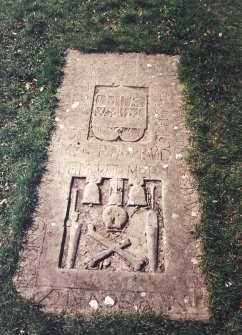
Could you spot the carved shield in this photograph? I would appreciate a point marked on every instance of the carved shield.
(119, 113)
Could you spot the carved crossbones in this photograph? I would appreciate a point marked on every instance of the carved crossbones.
(113, 247)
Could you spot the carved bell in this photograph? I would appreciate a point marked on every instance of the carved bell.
(114, 199)
(91, 194)
(137, 196)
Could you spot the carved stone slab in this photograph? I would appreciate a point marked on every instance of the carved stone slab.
(113, 227)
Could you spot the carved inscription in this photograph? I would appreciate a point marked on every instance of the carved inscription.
(119, 113)
(114, 225)
(116, 151)
(26, 274)
(111, 170)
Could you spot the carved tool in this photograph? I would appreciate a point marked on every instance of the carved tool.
(75, 233)
(137, 195)
(116, 192)
(136, 264)
(152, 196)
(114, 216)
(91, 194)
(151, 230)
(104, 254)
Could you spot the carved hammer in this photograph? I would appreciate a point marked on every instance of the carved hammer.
(136, 264)
(104, 254)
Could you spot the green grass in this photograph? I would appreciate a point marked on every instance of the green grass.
(207, 35)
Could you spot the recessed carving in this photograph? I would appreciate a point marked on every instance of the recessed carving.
(105, 226)
(119, 113)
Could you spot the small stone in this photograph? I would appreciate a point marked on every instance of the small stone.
(149, 65)
(93, 304)
(28, 86)
(61, 126)
(194, 260)
(178, 156)
(75, 104)
(228, 284)
(108, 301)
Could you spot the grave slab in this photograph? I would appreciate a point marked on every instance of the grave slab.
(113, 229)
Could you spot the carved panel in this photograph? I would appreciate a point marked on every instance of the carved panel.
(119, 113)
(113, 225)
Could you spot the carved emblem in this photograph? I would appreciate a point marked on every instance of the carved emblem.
(119, 113)
(113, 224)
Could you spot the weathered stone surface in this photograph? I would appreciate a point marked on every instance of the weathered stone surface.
(112, 230)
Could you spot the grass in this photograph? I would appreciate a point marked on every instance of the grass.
(34, 37)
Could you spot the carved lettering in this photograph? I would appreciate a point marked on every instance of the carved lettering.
(76, 300)
(119, 152)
